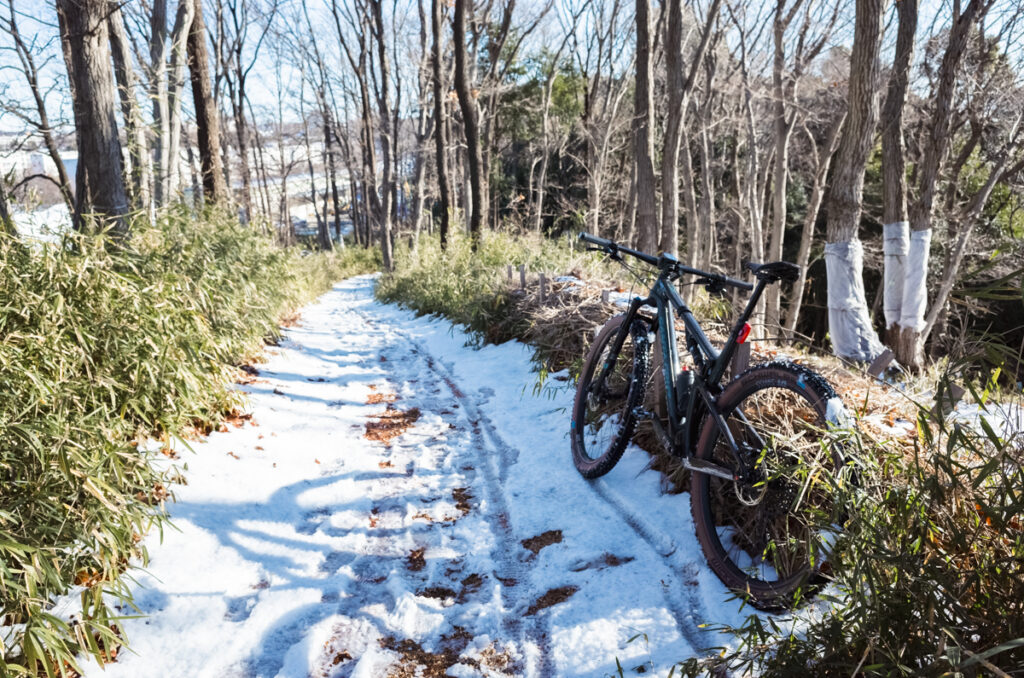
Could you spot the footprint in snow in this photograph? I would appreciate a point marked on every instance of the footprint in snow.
(239, 608)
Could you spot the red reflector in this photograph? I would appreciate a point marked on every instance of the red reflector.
(744, 333)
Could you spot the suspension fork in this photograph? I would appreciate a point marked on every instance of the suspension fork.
(620, 339)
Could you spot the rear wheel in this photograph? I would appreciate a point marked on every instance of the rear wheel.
(767, 536)
(603, 415)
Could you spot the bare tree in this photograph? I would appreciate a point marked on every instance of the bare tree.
(440, 119)
(785, 115)
(911, 325)
(643, 131)
(606, 60)
(470, 123)
(215, 189)
(894, 170)
(822, 160)
(38, 119)
(100, 192)
(237, 54)
(131, 113)
(853, 337)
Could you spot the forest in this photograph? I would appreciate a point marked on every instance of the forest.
(882, 157)
(178, 176)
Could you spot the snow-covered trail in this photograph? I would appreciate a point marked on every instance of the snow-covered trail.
(467, 546)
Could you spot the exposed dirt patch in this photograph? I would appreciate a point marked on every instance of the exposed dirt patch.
(612, 560)
(470, 585)
(415, 560)
(438, 593)
(462, 496)
(605, 561)
(377, 397)
(391, 424)
(535, 544)
(499, 660)
(418, 662)
(552, 597)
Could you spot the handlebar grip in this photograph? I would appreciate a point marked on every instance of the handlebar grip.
(594, 240)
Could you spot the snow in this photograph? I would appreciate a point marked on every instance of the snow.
(46, 224)
(292, 551)
(1005, 419)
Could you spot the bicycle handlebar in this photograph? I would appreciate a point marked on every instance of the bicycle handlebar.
(613, 248)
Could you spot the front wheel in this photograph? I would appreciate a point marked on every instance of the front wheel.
(604, 413)
(767, 535)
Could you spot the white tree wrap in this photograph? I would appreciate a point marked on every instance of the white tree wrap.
(849, 323)
(895, 245)
(915, 289)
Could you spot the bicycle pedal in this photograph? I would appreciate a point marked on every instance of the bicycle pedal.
(701, 466)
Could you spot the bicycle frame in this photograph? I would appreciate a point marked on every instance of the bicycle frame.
(710, 364)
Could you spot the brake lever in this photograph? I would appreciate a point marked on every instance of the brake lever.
(714, 286)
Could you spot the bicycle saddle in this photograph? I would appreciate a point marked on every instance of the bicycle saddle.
(775, 271)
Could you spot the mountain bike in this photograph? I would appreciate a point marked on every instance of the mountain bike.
(761, 448)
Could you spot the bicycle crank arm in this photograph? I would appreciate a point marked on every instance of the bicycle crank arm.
(701, 466)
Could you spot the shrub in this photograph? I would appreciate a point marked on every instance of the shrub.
(98, 349)
(929, 572)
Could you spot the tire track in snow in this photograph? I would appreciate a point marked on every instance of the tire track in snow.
(531, 632)
(681, 597)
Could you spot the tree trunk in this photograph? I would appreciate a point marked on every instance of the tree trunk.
(242, 139)
(673, 128)
(332, 171)
(176, 76)
(158, 100)
(388, 136)
(101, 193)
(6, 225)
(850, 328)
(215, 189)
(471, 125)
(440, 122)
(894, 171)
(782, 130)
(643, 133)
(134, 127)
(197, 187)
(423, 122)
(909, 347)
